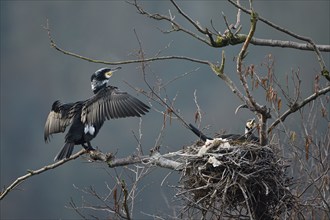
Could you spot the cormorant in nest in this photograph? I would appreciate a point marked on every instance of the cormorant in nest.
(247, 136)
(87, 117)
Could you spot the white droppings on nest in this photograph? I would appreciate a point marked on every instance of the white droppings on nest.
(212, 160)
(215, 143)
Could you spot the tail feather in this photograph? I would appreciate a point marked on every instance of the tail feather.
(65, 152)
(199, 133)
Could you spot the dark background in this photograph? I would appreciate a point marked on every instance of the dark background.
(33, 75)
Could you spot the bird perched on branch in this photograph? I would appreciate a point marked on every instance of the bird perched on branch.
(87, 117)
(247, 136)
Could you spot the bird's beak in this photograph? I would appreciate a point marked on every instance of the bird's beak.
(115, 69)
(253, 122)
(111, 71)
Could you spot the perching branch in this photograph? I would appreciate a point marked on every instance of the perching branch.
(30, 173)
(154, 159)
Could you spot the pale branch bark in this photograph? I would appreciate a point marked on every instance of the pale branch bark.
(30, 173)
(154, 159)
(296, 106)
(288, 44)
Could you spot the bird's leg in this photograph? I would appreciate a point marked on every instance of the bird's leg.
(88, 146)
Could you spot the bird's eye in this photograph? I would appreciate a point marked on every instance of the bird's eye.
(108, 74)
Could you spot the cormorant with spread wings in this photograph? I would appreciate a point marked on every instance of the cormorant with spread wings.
(87, 117)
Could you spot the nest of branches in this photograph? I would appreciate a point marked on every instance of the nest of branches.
(234, 180)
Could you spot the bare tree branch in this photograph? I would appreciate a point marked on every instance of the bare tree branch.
(175, 26)
(287, 44)
(196, 25)
(324, 70)
(251, 102)
(154, 159)
(30, 173)
(219, 71)
(158, 58)
(297, 106)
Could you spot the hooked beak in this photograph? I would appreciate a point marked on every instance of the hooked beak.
(115, 69)
(252, 123)
(111, 71)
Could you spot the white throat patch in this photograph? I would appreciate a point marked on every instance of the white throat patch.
(95, 84)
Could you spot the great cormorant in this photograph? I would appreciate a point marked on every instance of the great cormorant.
(247, 136)
(87, 117)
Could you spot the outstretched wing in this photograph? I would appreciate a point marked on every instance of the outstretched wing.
(59, 118)
(110, 103)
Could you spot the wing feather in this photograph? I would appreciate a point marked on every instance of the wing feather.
(59, 118)
(110, 103)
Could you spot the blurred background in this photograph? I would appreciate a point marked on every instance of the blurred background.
(34, 75)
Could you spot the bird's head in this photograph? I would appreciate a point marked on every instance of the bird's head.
(100, 78)
(250, 125)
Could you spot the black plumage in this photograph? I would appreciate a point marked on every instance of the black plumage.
(247, 136)
(87, 117)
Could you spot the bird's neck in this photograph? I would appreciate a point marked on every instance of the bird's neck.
(98, 85)
(247, 131)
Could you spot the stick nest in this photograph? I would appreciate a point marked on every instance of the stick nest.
(234, 180)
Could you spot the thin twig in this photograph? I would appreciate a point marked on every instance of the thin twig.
(175, 26)
(297, 106)
(174, 57)
(196, 25)
(152, 90)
